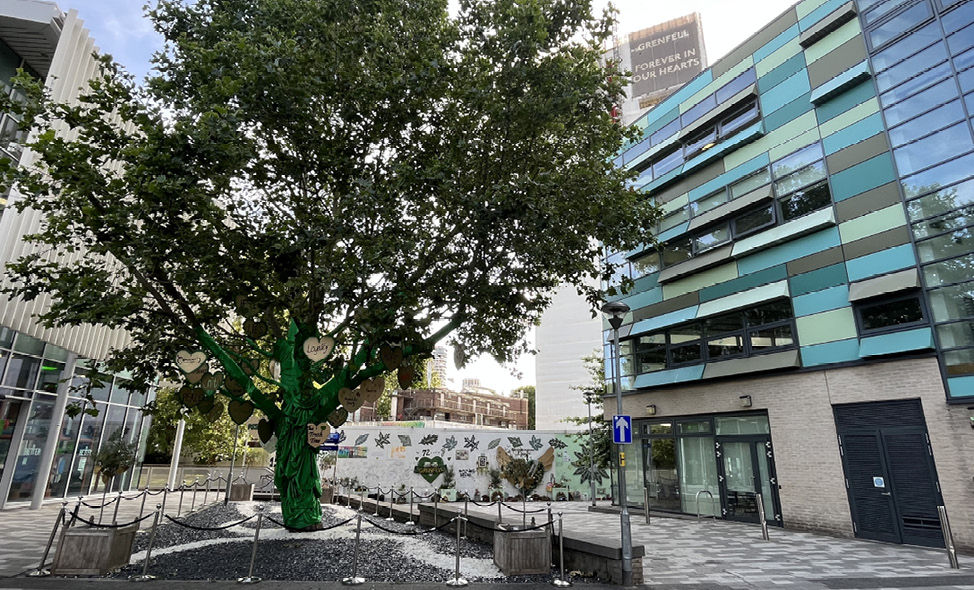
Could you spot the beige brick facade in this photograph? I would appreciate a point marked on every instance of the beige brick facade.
(809, 468)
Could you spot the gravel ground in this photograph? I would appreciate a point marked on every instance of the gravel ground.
(181, 553)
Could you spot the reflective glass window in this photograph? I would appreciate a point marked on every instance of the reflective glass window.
(646, 264)
(742, 425)
(934, 96)
(921, 62)
(695, 112)
(29, 345)
(936, 119)
(709, 202)
(686, 353)
(694, 427)
(955, 302)
(953, 221)
(805, 201)
(686, 333)
(729, 322)
(956, 335)
(959, 362)
(888, 314)
(933, 149)
(51, 375)
(754, 220)
(964, 60)
(28, 459)
(676, 251)
(749, 183)
(725, 346)
(906, 46)
(955, 270)
(660, 428)
(882, 10)
(6, 337)
(949, 245)
(668, 162)
(650, 353)
(966, 80)
(665, 132)
(714, 237)
(799, 159)
(739, 83)
(947, 173)
(22, 371)
(958, 18)
(768, 313)
(796, 180)
(961, 40)
(775, 337)
(899, 24)
(700, 141)
(674, 219)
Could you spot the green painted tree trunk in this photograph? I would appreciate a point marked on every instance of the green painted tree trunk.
(296, 475)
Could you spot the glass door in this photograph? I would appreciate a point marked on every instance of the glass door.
(748, 471)
(661, 476)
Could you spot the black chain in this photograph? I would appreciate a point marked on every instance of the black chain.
(218, 528)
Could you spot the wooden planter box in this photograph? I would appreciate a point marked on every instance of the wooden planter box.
(327, 494)
(523, 552)
(93, 552)
(242, 492)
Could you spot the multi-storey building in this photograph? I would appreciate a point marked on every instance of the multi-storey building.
(804, 330)
(45, 453)
(465, 407)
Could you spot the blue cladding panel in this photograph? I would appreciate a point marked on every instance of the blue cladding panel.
(776, 43)
(819, 13)
(667, 319)
(788, 113)
(821, 278)
(856, 95)
(854, 133)
(646, 298)
(824, 300)
(744, 283)
(660, 118)
(862, 177)
(690, 88)
(823, 240)
(730, 176)
(830, 352)
(919, 339)
(672, 376)
(781, 73)
(673, 232)
(961, 386)
(879, 263)
(783, 93)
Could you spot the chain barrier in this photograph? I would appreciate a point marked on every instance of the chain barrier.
(410, 533)
(110, 526)
(476, 503)
(218, 528)
(504, 530)
(523, 511)
(100, 506)
(328, 528)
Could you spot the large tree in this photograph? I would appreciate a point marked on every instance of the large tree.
(309, 192)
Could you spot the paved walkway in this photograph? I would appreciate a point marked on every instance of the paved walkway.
(680, 553)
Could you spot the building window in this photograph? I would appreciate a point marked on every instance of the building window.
(890, 314)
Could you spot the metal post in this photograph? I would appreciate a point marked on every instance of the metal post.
(646, 502)
(145, 576)
(764, 522)
(948, 537)
(101, 511)
(118, 502)
(616, 322)
(361, 499)
(551, 522)
(196, 487)
(233, 457)
(591, 449)
(457, 581)
(524, 511)
(354, 579)
(250, 579)
(436, 503)
(561, 582)
(378, 492)
(165, 495)
(392, 497)
(40, 571)
(182, 494)
(411, 494)
(466, 512)
(500, 513)
(77, 511)
(206, 494)
(348, 496)
(145, 494)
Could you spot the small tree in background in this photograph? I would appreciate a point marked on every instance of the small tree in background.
(528, 392)
(593, 466)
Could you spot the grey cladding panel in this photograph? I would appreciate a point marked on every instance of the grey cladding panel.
(759, 39)
(857, 153)
(837, 61)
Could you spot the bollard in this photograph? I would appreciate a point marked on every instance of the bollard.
(948, 537)
(378, 492)
(764, 522)
(646, 502)
(361, 499)
(101, 511)
(77, 511)
(354, 579)
(182, 494)
(348, 498)
(196, 486)
(392, 496)
(466, 513)
(145, 576)
(551, 521)
(40, 571)
(145, 494)
(561, 582)
(500, 513)
(118, 502)
(457, 581)
(250, 579)
(165, 494)
(524, 511)
(436, 503)
(206, 494)
(410, 521)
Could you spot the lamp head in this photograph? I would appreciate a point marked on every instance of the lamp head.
(616, 310)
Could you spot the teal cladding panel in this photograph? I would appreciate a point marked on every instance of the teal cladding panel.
(819, 13)
(730, 176)
(667, 377)
(854, 133)
(862, 177)
(882, 262)
(645, 298)
(726, 146)
(824, 300)
(776, 43)
(689, 89)
(744, 283)
(810, 244)
(646, 283)
(783, 93)
(845, 101)
(961, 386)
(673, 232)
(662, 119)
(821, 278)
(781, 73)
(788, 113)
(919, 339)
(667, 319)
(830, 352)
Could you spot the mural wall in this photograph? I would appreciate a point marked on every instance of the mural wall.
(536, 461)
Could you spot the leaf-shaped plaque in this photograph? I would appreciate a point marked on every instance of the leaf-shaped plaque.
(405, 440)
(361, 440)
(493, 444)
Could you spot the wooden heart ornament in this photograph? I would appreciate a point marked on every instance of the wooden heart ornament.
(205, 405)
(318, 349)
(338, 417)
(265, 430)
(372, 389)
(255, 328)
(234, 387)
(350, 399)
(192, 397)
(405, 376)
(190, 361)
(391, 357)
(197, 375)
(240, 411)
(318, 434)
(211, 381)
(215, 412)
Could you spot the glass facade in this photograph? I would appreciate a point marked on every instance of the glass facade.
(30, 372)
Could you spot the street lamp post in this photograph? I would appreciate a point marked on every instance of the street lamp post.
(591, 449)
(617, 310)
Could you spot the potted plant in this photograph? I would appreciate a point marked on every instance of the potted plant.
(448, 491)
(496, 493)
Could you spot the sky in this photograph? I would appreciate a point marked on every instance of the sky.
(120, 29)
